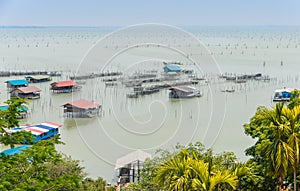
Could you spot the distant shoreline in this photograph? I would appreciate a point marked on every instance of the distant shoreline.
(183, 26)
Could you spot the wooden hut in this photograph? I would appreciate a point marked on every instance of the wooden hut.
(184, 92)
(38, 78)
(30, 92)
(129, 167)
(81, 108)
(13, 84)
(67, 86)
(284, 94)
(173, 68)
(41, 131)
(23, 110)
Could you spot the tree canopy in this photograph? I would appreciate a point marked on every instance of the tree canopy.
(39, 167)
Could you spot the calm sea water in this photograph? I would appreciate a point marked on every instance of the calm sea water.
(153, 121)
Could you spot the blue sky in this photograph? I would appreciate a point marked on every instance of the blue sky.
(126, 12)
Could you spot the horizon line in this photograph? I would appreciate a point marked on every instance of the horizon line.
(114, 26)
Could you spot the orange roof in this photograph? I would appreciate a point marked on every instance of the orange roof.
(29, 89)
(64, 83)
(83, 104)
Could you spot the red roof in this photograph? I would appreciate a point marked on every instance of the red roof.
(64, 83)
(29, 89)
(83, 104)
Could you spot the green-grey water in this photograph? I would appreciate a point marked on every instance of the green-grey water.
(153, 121)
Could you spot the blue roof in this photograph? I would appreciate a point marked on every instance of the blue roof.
(16, 150)
(17, 82)
(22, 109)
(173, 67)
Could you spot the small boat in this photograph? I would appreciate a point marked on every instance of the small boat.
(132, 95)
(239, 81)
(110, 80)
(228, 90)
(111, 84)
(133, 83)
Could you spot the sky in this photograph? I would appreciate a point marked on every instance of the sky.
(128, 12)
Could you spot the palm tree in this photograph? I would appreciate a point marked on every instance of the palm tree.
(247, 178)
(207, 180)
(293, 117)
(187, 172)
(274, 147)
(175, 173)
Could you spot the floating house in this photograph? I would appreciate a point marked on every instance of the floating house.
(13, 151)
(184, 92)
(41, 131)
(38, 78)
(173, 68)
(284, 94)
(29, 92)
(23, 110)
(129, 166)
(67, 86)
(81, 108)
(13, 84)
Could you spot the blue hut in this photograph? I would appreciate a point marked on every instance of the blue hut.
(42, 131)
(23, 110)
(284, 94)
(13, 151)
(13, 84)
(173, 68)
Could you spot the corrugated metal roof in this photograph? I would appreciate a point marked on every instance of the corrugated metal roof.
(50, 124)
(5, 106)
(137, 155)
(16, 150)
(64, 83)
(37, 129)
(174, 67)
(83, 104)
(17, 82)
(29, 89)
(285, 90)
(38, 77)
(183, 88)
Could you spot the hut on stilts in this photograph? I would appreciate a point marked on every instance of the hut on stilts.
(81, 109)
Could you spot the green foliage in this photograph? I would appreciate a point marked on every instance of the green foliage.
(295, 100)
(9, 117)
(39, 167)
(194, 168)
(276, 151)
(187, 172)
(94, 185)
(17, 138)
(8, 120)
